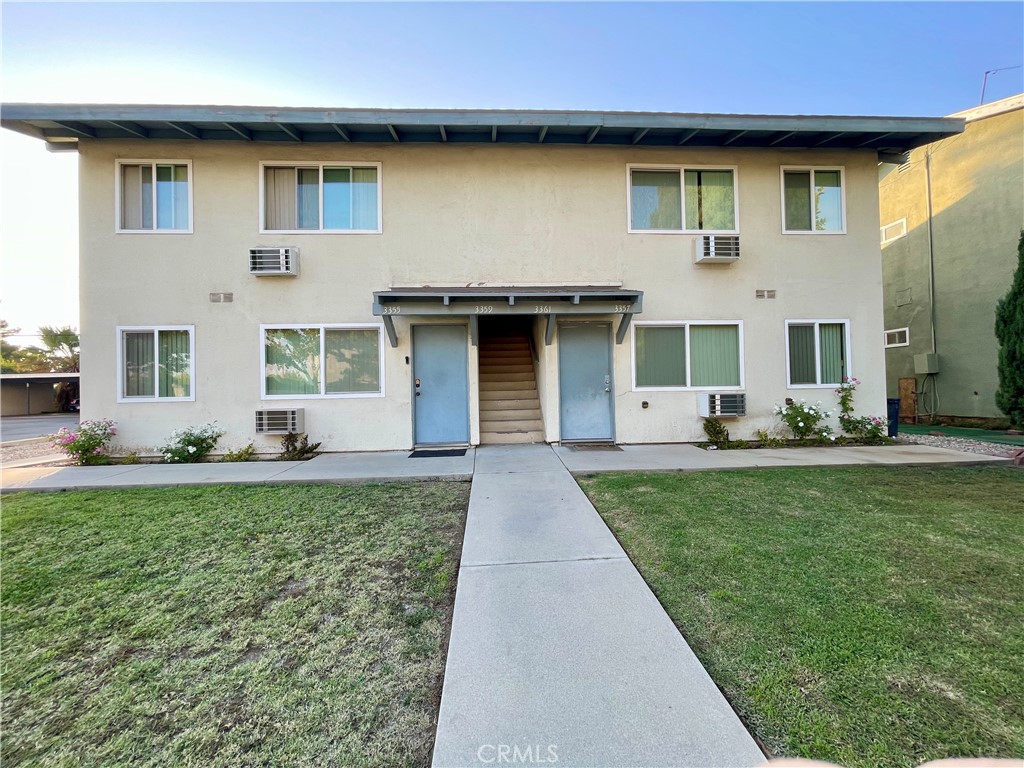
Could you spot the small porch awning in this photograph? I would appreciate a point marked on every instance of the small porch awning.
(474, 302)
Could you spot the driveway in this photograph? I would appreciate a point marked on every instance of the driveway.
(27, 427)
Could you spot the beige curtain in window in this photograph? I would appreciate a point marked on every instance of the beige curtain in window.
(279, 198)
(136, 197)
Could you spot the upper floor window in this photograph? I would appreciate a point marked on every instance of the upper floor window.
(155, 363)
(320, 198)
(893, 231)
(813, 200)
(897, 337)
(694, 199)
(154, 196)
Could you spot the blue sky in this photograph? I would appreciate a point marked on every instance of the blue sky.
(874, 58)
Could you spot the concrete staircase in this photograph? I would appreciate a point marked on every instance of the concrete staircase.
(509, 404)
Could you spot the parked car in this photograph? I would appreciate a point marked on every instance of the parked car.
(73, 405)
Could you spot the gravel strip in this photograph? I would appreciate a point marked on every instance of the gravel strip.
(28, 449)
(959, 444)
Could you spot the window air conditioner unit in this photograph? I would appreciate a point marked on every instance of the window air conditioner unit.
(266, 262)
(716, 249)
(280, 421)
(721, 405)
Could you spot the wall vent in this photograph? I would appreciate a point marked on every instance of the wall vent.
(274, 262)
(764, 293)
(722, 404)
(280, 421)
(716, 249)
(222, 298)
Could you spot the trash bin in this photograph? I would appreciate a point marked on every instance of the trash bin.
(893, 408)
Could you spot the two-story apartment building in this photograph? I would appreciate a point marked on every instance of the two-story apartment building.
(385, 279)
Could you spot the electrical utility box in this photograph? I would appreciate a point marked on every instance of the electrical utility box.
(926, 363)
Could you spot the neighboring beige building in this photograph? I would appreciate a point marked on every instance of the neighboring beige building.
(385, 279)
(951, 218)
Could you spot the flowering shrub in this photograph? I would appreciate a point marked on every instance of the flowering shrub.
(87, 444)
(191, 444)
(805, 420)
(867, 428)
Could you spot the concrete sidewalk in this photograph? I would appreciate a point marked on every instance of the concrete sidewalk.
(396, 465)
(558, 647)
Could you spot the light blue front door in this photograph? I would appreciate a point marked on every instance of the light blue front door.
(585, 381)
(440, 384)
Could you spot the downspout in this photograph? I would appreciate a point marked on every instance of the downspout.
(931, 244)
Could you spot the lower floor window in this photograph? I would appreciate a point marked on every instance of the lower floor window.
(156, 363)
(321, 360)
(687, 355)
(818, 351)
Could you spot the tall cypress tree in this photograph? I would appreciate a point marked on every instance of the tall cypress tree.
(1010, 333)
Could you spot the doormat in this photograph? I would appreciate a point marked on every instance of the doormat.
(595, 447)
(437, 454)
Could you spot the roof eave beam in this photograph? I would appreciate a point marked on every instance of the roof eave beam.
(134, 130)
(592, 133)
(393, 132)
(873, 139)
(733, 137)
(239, 130)
(341, 132)
(189, 130)
(494, 133)
(830, 137)
(782, 138)
(389, 328)
(444, 133)
(290, 131)
(688, 135)
(87, 133)
(640, 134)
(542, 134)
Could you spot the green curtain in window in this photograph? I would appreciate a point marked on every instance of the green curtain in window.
(364, 198)
(656, 200)
(797, 193)
(174, 369)
(337, 198)
(833, 353)
(279, 198)
(828, 201)
(660, 356)
(137, 348)
(293, 361)
(714, 356)
(308, 198)
(353, 360)
(801, 355)
(710, 203)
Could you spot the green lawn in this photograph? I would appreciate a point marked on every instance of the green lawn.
(867, 616)
(287, 625)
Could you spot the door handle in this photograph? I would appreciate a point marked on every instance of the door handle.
(607, 383)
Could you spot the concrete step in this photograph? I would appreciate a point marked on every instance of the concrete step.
(528, 402)
(507, 377)
(523, 351)
(506, 369)
(523, 348)
(502, 386)
(487, 413)
(509, 438)
(522, 425)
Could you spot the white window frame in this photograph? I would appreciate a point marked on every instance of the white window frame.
(155, 329)
(817, 352)
(842, 198)
(323, 327)
(264, 164)
(118, 229)
(901, 223)
(906, 335)
(681, 170)
(686, 324)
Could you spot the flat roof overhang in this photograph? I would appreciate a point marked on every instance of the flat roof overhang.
(62, 125)
(39, 378)
(474, 302)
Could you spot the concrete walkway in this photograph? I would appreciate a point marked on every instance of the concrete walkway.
(559, 648)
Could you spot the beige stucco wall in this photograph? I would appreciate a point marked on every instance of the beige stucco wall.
(977, 191)
(455, 215)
